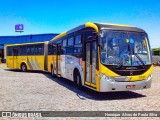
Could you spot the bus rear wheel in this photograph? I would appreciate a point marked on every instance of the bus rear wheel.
(23, 67)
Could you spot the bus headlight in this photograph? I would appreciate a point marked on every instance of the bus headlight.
(103, 76)
(121, 78)
(118, 78)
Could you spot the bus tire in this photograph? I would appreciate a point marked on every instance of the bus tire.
(78, 80)
(52, 72)
(23, 67)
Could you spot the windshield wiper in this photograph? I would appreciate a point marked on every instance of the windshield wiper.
(121, 63)
(139, 59)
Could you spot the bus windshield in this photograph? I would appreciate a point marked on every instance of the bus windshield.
(125, 48)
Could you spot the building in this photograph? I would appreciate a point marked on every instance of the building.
(4, 40)
(156, 51)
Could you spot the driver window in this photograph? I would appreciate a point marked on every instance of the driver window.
(104, 49)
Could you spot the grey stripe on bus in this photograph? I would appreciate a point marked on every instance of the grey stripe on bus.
(32, 62)
(29, 64)
(37, 64)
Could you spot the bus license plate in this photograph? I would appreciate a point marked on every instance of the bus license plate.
(130, 86)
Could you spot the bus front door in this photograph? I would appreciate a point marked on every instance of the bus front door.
(90, 65)
(58, 59)
(15, 57)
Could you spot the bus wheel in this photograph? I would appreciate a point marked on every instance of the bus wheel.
(52, 73)
(79, 81)
(23, 67)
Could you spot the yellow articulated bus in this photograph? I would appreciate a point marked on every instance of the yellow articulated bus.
(28, 56)
(102, 57)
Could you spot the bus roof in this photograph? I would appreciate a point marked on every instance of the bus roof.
(24, 44)
(99, 26)
(118, 27)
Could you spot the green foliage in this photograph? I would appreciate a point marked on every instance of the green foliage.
(156, 49)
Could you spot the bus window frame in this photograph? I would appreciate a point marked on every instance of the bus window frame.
(76, 39)
(9, 50)
(39, 52)
(19, 48)
(69, 39)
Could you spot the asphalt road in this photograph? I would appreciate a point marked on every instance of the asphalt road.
(38, 91)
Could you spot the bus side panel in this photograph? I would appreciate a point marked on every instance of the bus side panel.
(39, 61)
(35, 62)
(68, 64)
(21, 59)
(49, 62)
(9, 61)
(52, 61)
(28, 63)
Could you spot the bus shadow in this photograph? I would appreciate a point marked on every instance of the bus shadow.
(17, 70)
(87, 93)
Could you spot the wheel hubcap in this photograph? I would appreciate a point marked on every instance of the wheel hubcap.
(23, 68)
(77, 79)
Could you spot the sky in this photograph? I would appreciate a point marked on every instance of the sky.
(56, 16)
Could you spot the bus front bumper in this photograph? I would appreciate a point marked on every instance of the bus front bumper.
(108, 85)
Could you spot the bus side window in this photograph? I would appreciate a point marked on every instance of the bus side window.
(70, 41)
(15, 51)
(69, 48)
(64, 44)
(22, 50)
(90, 35)
(54, 49)
(50, 49)
(9, 51)
(39, 49)
(59, 49)
(78, 44)
(30, 49)
(78, 39)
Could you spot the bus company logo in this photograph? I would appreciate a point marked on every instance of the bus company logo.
(131, 68)
(6, 114)
(20, 114)
(19, 27)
